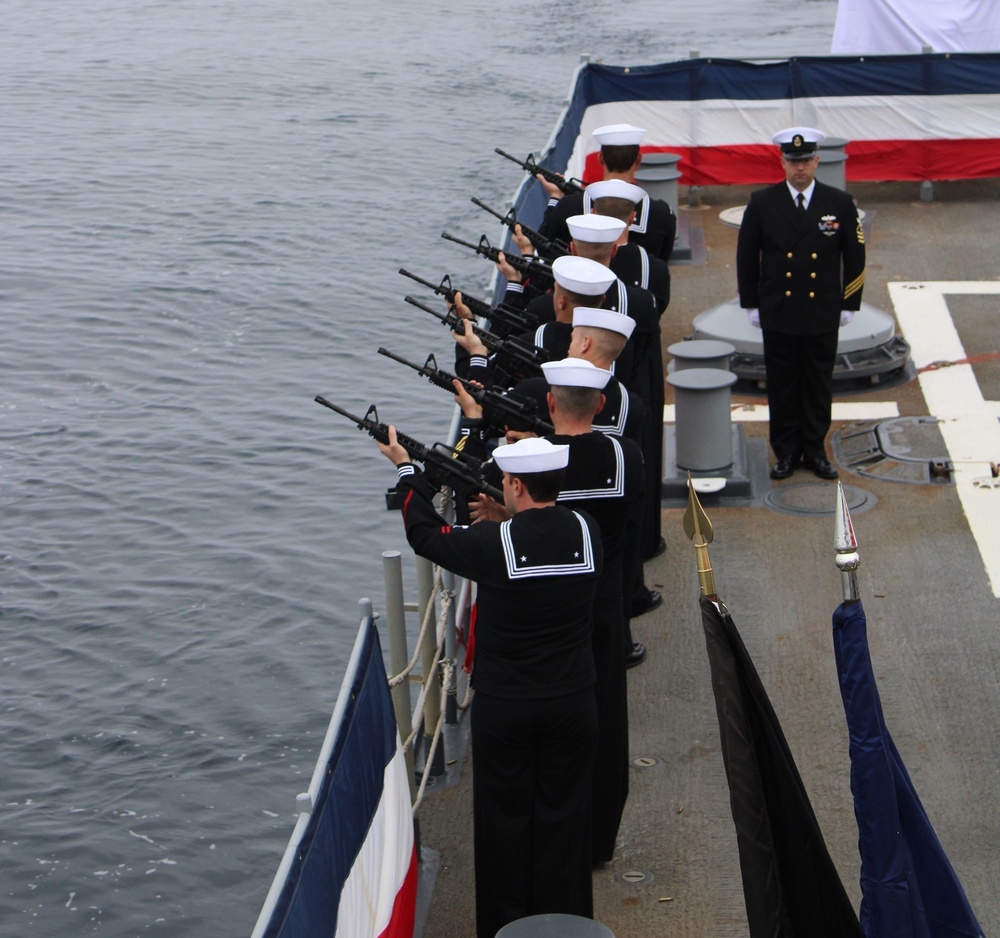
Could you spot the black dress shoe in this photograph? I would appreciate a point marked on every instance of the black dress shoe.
(820, 467)
(784, 467)
(652, 600)
(636, 655)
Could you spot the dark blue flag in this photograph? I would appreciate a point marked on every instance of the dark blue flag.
(909, 889)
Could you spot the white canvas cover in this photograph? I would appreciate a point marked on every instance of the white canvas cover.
(868, 27)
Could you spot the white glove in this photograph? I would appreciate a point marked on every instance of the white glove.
(753, 317)
(846, 317)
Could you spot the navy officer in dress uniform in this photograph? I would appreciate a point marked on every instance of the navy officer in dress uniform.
(800, 264)
(534, 717)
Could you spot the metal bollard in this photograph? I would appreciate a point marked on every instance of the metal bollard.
(704, 419)
(658, 175)
(700, 353)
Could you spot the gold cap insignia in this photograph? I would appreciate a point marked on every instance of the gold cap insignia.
(797, 141)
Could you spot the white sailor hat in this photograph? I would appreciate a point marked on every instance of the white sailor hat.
(603, 319)
(615, 189)
(595, 229)
(799, 143)
(582, 275)
(619, 135)
(575, 373)
(532, 454)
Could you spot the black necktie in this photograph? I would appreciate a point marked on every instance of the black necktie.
(801, 199)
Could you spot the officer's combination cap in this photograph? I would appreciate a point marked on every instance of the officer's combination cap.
(799, 143)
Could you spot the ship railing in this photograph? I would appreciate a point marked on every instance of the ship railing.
(442, 607)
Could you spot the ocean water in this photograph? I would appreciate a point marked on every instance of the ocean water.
(203, 206)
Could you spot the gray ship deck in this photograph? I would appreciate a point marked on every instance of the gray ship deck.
(933, 626)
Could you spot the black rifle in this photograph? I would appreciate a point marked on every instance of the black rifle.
(499, 408)
(549, 247)
(532, 267)
(515, 358)
(444, 467)
(503, 319)
(568, 186)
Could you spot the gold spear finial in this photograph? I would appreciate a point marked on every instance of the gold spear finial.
(699, 529)
(846, 544)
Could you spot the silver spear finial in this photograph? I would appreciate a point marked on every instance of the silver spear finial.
(846, 544)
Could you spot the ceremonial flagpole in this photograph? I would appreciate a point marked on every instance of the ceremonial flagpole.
(790, 885)
(699, 529)
(909, 888)
(846, 544)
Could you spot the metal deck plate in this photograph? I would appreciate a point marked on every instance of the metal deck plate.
(816, 498)
(905, 449)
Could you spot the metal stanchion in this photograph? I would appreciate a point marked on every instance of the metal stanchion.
(428, 662)
(450, 650)
(399, 657)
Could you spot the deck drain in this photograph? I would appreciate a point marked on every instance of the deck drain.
(816, 498)
(645, 762)
(636, 877)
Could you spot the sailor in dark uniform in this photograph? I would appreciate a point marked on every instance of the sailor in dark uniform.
(596, 335)
(645, 377)
(578, 282)
(800, 263)
(655, 225)
(534, 719)
(632, 263)
(604, 478)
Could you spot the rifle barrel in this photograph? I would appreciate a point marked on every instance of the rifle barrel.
(340, 410)
(492, 211)
(451, 237)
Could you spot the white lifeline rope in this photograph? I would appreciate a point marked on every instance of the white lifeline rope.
(446, 666)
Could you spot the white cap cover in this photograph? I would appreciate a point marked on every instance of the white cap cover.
(603, 319)
(595, 229)
(531, 454)
(619, 135)
(615, 189)
(575, 373)
(582, 275)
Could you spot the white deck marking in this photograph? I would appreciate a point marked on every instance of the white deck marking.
(854, 410)
(970, 427)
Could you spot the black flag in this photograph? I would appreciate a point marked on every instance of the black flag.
(790, 885)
